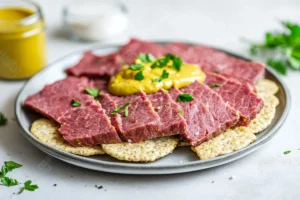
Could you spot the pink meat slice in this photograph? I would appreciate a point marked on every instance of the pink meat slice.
(96, 66)
(199, 121)
(239, 96)
(212, 60)
(132, 49)
(84, 125)
(225, 116)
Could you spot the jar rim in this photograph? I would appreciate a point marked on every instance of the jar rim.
(36, 16)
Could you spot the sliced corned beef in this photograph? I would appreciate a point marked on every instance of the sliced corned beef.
(212, 60)
(224, 115)
(239, 96)
(199, 121)
(96, 66)
(141, 122)
(171, 121)
(83, 125)
(134, 47)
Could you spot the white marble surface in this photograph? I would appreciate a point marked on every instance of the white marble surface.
(267, 173)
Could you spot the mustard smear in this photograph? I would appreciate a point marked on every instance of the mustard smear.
(129, 81)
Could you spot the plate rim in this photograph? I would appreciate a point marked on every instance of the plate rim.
(71, 158)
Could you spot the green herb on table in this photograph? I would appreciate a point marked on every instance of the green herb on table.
(28, 186)
(139, 76)
(75, 103)
(164, 75)
(287, 152)
(3, 119)
(8, 182)
(214, 85)
(93, 92)
(283, 46)
(123, 107)
(8, 167)
(184, 98)
(146, 58)
(136, 66)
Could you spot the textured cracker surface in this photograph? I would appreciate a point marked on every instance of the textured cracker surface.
(239, 137)
(266, 86)
(146, 151)
(231, 140)
(46, 131)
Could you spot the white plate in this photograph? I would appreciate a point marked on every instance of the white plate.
(180, 161)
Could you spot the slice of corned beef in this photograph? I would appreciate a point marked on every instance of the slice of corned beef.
(55, 102)
(239, 96)
(199, 121)
(225, 116)
(212, 60)
(141, 122)
(134, 47)
(171, 121)
(96, 66)
(87, 125)
(55, 99)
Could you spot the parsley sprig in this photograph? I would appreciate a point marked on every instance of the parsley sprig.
(28, 186)
(283, 46)
(139, 76)
(214, 85)
(162, 62)
(184, 98)
(75, 103)
(123, 107)
(3, 119)
(164, 75)
(136, 66)
(146, 57)
(92, 91)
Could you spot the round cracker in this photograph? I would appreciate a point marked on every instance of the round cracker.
(267, 86)
(146, 151)
(47, 132)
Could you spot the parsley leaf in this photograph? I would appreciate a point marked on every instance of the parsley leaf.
(136, 67)
(123, 107)
(146, 58)
(287, 152)
(184, 98)
(164, 75)
(180, 111)
(93, 92)
(177, 61)
(215, 85)
(278, 65)
(28, 186)
(139, 76)
(8, 167)
(75, 103)
(160, 63)
(8, 182)
(3, 119)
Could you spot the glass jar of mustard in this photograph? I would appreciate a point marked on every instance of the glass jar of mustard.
(22, 39)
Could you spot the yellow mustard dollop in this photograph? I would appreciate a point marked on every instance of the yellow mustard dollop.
(152, 79)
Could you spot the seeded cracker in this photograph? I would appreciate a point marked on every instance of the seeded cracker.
(237, 138)
(146, 151)
(46, 131)
(266, 86)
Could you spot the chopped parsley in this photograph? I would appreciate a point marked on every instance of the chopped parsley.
(216, 72)
(93, 92)
(3, 119)
(214, 85)
(287, 152)
(180, 111)
(184, 98)
(164, 75)
(8, 182)
(160, 63)
(136, 66)
(8, 167)
(146, 58)
(177, 61)
(28, 186)
(75, 103)
(139, 76)
(123, 107)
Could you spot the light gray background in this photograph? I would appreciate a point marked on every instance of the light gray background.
(267, 173)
